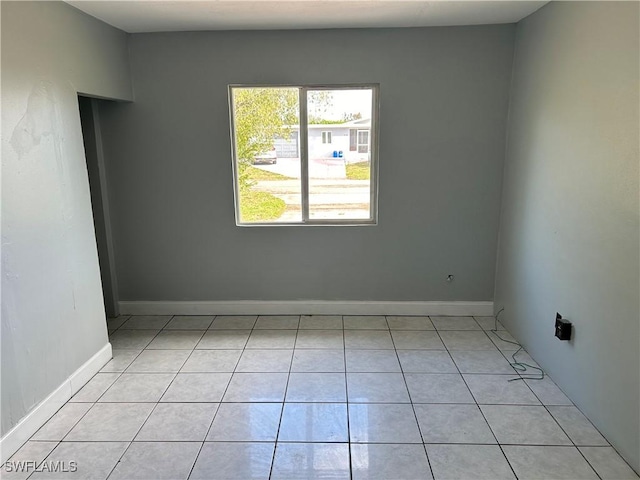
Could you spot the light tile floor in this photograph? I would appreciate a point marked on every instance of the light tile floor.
(288, 397)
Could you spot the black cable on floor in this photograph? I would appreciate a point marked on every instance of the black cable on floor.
(519, 366)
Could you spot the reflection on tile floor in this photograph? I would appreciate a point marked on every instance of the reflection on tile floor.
(331, 397)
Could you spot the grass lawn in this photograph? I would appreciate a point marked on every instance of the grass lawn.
(358, 171)
(258, 174)
(260, 206)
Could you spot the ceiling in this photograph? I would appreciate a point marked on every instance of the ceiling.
(137, 16)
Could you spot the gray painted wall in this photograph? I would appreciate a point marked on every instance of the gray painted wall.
(569, 229)
(444, 96)
(52, 312)
(92, 140)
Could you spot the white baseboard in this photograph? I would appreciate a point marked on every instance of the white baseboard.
(36, 418)
(306, 307)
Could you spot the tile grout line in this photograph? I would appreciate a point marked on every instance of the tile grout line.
(305, 441)
(346, 393)
(284, 398)
(413, 408)
(163, 393)
(118, 327)
(41, 462)
(148, 415)
(93, 404)
(204, 440)
(402, 370)
(478, 406)
(119, 374)
(573, 444)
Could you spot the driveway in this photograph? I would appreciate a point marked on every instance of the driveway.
(328, 198)
(331, 194)
(318, 167)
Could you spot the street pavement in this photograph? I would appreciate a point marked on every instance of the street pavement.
(320, 168)
(331, 194)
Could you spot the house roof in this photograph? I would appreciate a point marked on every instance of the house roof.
(361, 124)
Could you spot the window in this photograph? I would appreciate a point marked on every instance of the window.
(363, 141)
(304, 155)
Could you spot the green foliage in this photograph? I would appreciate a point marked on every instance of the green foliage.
(260, 115)
(258, 206)
(257, 174)
(358, 171)
(349, 117)
(323, 121)
(318, 102)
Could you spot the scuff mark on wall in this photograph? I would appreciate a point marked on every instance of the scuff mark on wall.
(41, 213)
(52, 317)
(38, 121)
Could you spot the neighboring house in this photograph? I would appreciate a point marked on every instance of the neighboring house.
(288, 147)
(353, 139)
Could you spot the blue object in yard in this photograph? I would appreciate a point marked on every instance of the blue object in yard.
(335, 154)
(340, 154)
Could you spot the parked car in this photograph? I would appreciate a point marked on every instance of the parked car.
(269, 156)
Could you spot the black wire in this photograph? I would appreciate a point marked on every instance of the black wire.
(519, 366)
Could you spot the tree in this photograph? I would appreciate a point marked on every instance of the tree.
(318, 103)
(263, 114)
(260, 115)
(349, 117)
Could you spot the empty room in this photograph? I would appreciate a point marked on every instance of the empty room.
(266, 239)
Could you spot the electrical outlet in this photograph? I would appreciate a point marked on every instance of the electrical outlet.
(563, 328)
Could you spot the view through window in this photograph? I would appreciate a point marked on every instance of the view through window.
(304, 155)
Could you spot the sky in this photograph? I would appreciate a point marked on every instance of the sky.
(347, 101)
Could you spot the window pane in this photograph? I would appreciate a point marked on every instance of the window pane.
(363, 141)
(339, 172)
(353, 140)
(266, 131)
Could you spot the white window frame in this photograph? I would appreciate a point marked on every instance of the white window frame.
(326, 137)
(304, 156)
(358, 144)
